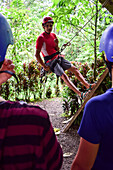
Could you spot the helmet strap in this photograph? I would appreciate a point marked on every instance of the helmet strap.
(108, 64)
(1, 63)
(11, 73)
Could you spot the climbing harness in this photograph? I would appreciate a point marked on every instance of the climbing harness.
(48, 58)
(58, 60)
(43, 71)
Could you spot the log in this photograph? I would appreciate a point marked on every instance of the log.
(108, 5)
(89, 95)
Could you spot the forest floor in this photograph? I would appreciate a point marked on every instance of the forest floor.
(69, 141)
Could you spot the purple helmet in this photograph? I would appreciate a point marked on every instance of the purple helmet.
(6, 37)
(106, 43)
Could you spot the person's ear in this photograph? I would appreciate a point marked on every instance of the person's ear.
(106, 58)
(43, 26)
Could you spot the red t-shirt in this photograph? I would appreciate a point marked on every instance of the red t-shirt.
(45, 43)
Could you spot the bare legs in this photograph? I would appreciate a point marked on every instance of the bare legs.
(70, 84)
(79, 76)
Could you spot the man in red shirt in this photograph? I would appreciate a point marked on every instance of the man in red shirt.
(47, 44)
(27, 138)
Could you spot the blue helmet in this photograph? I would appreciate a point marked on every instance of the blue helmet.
(6, 37)
(106, 43)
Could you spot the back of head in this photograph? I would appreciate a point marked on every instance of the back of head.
(6, 37)
(106, 45)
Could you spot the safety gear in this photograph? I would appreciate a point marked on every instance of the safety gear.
(46, 20)
(49, 58)
(106, 43)
(58, 60)
(11, 73)
(6, 37)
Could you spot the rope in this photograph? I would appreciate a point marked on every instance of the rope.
(69, 42)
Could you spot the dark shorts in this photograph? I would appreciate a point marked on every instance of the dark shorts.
(60, 66)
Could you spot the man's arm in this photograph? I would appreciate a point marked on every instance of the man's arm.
(40, 60)
(56, 44)
(86, 155)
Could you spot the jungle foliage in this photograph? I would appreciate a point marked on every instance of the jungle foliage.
(71, 101)
(70, 16)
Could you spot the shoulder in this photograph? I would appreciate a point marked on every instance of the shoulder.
(53, 34)
(100, 100)
(16, 108)
(96, 112)
(96, 108)
(40, 37)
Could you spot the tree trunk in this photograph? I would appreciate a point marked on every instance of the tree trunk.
(95, 45)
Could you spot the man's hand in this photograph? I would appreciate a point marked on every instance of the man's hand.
(47, 68)
(7, 65)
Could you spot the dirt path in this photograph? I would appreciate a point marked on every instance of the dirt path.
(69, 140)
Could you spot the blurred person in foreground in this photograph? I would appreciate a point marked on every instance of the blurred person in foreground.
(27, 138)
(95, 150)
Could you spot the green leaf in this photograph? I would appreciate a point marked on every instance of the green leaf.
(55, 2)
